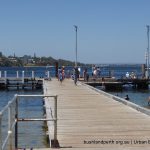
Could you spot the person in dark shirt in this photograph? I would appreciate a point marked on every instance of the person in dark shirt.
(127, 97)
(76, 75)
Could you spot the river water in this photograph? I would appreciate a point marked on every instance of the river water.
(31, 134)
(139, 97)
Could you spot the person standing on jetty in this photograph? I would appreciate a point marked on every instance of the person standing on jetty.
(59, 70)
(60, 76)
(84, 74)
(76, 74)
(127, 97)
(63, 72)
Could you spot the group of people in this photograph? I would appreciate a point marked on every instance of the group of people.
(76, 72)
(132, 75)
(75, 75)
(96, 71)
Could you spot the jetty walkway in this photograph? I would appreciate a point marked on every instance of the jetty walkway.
(88, 119)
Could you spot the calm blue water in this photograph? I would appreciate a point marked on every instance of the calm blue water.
(31, 108)
(31, 134)
(139, 97)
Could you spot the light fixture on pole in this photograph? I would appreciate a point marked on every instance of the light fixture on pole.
(76, 30)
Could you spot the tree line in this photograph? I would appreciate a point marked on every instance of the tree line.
(27, 60)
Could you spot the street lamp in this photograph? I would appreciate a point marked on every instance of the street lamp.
(76, 30)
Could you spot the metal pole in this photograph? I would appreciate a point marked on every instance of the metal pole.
(10, 125)
(1, 131)
(0, 74)
(16, 126)
(147, 51)
(34, 119)
(76, 30)
(55, 121)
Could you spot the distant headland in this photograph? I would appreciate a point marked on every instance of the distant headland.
(28, 60)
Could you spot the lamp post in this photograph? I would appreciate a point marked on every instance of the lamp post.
(76, 30)
(147, 54)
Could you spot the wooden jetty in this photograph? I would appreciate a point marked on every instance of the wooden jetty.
(21, 83)
(22, 80)
(118, 84)
(88, 119)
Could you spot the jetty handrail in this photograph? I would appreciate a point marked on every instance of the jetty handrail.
(7, 142)
(11, 124)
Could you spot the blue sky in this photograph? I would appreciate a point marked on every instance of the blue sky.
(110, 31)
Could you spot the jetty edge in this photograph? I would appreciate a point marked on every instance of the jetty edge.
(119, 99)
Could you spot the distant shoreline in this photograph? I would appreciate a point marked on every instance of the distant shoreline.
(89, 65)
(38, 66)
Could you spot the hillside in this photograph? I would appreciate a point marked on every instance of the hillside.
(34, 61)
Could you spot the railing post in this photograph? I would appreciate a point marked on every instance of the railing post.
(55, 121)
(48, 75)
(16, 125)
(17, 74)
(0, 131)
(22, 77)
(32, 74)
(10, 125)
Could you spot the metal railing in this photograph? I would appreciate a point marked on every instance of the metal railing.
(26, 74)
(11, 110)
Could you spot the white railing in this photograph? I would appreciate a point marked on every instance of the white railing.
(25, 74)
(10, 141)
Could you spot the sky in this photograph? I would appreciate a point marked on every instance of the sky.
(109, 31)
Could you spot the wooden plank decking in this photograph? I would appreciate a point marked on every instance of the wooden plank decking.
(90, 120)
